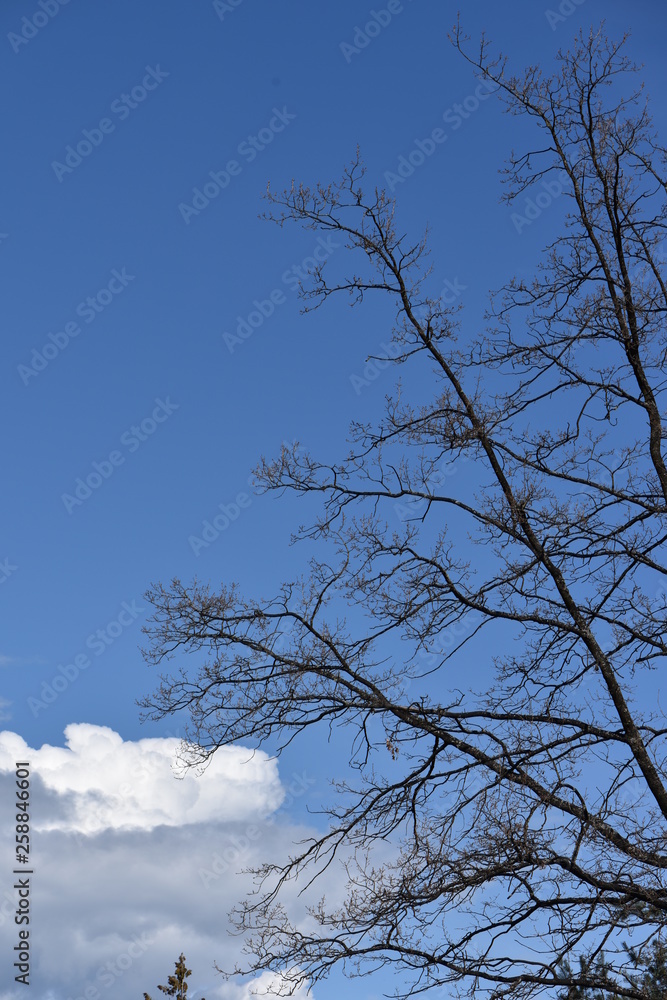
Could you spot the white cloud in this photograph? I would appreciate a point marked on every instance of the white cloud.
(23, 661)
(268, 985)
(111, 913)
(106, 783)
(125, 881)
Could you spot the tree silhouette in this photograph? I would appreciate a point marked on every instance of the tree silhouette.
(177, 986)
(650, 977)
(526, 814)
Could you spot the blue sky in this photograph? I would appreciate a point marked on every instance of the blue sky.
(122, 357)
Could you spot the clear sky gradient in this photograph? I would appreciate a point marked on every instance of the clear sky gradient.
(153, 350)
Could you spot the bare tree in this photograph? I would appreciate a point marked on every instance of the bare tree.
(527, 816)
(649, 975)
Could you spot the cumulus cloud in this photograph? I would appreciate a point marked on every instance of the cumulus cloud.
(123, 882)
(111, 913)
(104, 782)
(269, 985)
